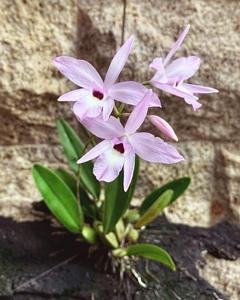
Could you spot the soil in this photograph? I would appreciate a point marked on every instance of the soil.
(41, 261)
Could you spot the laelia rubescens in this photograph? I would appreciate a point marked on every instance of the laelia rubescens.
(121, 144)
(96, 97)
(163, 126)
(170, 76)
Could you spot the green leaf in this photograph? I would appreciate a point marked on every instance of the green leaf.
(151, 252)
(178, 186)
(68, 178)
(87, 205)
(59, 198)
(133, 184)
(155, 209)
(72, 145)
(73, 148)
(116, 200)
(88, 181)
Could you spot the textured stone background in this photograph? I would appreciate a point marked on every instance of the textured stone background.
(33, 32)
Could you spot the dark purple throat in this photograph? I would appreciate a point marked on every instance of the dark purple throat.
(119, 147)
(98, 95)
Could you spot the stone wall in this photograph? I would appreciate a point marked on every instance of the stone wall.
(33, 32)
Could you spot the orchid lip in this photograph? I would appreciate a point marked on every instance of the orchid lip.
(97, 94)
(119, 147)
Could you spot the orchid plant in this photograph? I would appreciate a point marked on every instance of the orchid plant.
(93, 200)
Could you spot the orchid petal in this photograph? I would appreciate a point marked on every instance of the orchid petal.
(195, 104)
(160, 75)
(129, 92)
(129, 164)
(79, 71)
(93, 112)
(80, 109)
(139, 113)
(109, 129)
(157, 64)
(87, 107)
(163, 126)
(155, 101)
(189, 97)
(108, 165)
(75, 95)
(95, 151)
(107, 108)
(154, 149)
(198, 89)
(176, 45)
(118, 63)
(174, 90)
(183, 68)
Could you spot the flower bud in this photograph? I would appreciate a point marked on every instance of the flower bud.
(163, 126)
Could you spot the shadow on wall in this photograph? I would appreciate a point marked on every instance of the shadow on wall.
(92, 45)
(36, 265)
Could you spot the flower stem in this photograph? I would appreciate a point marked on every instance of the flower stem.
(146, 83)
(116, 111)
(121, 108)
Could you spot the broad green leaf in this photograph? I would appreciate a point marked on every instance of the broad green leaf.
(133, 184)
(73, 148)
(68, 178)
(112, 208)
(116, 200)
(151, 252)
(87, 205)
(178, 186)
(88, 181)
(155, 209)
(72, 145)
(59, 198)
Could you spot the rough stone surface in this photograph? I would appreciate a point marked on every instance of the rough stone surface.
(200, 159)
(17, 190)
(228, 175)
(214, 36)
(222, 274)
(33, 32)
(56, 272)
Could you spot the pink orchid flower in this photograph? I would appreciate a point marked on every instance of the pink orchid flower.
(163, 126)
(96, 97)
(170, 77)
(120, 145)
